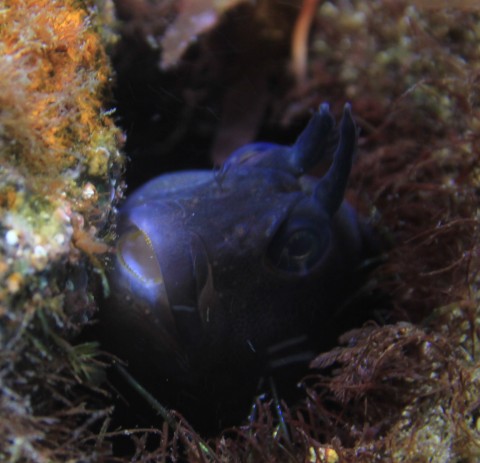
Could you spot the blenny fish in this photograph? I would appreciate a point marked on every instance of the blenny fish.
(222, 277)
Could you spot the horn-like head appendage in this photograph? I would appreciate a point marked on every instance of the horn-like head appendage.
(330, 189)
(314, 142)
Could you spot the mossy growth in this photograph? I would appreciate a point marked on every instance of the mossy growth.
(59, 170)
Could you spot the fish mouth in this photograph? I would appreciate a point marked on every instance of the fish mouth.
(171, 283)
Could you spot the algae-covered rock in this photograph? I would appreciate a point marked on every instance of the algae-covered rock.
(59, 166)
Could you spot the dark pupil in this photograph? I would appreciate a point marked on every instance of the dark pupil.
(300, 251)
(300, 245)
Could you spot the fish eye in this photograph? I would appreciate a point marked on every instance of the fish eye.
(137, 256)
(298, 247)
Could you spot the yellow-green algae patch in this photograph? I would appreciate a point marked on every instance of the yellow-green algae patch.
(59, 164)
